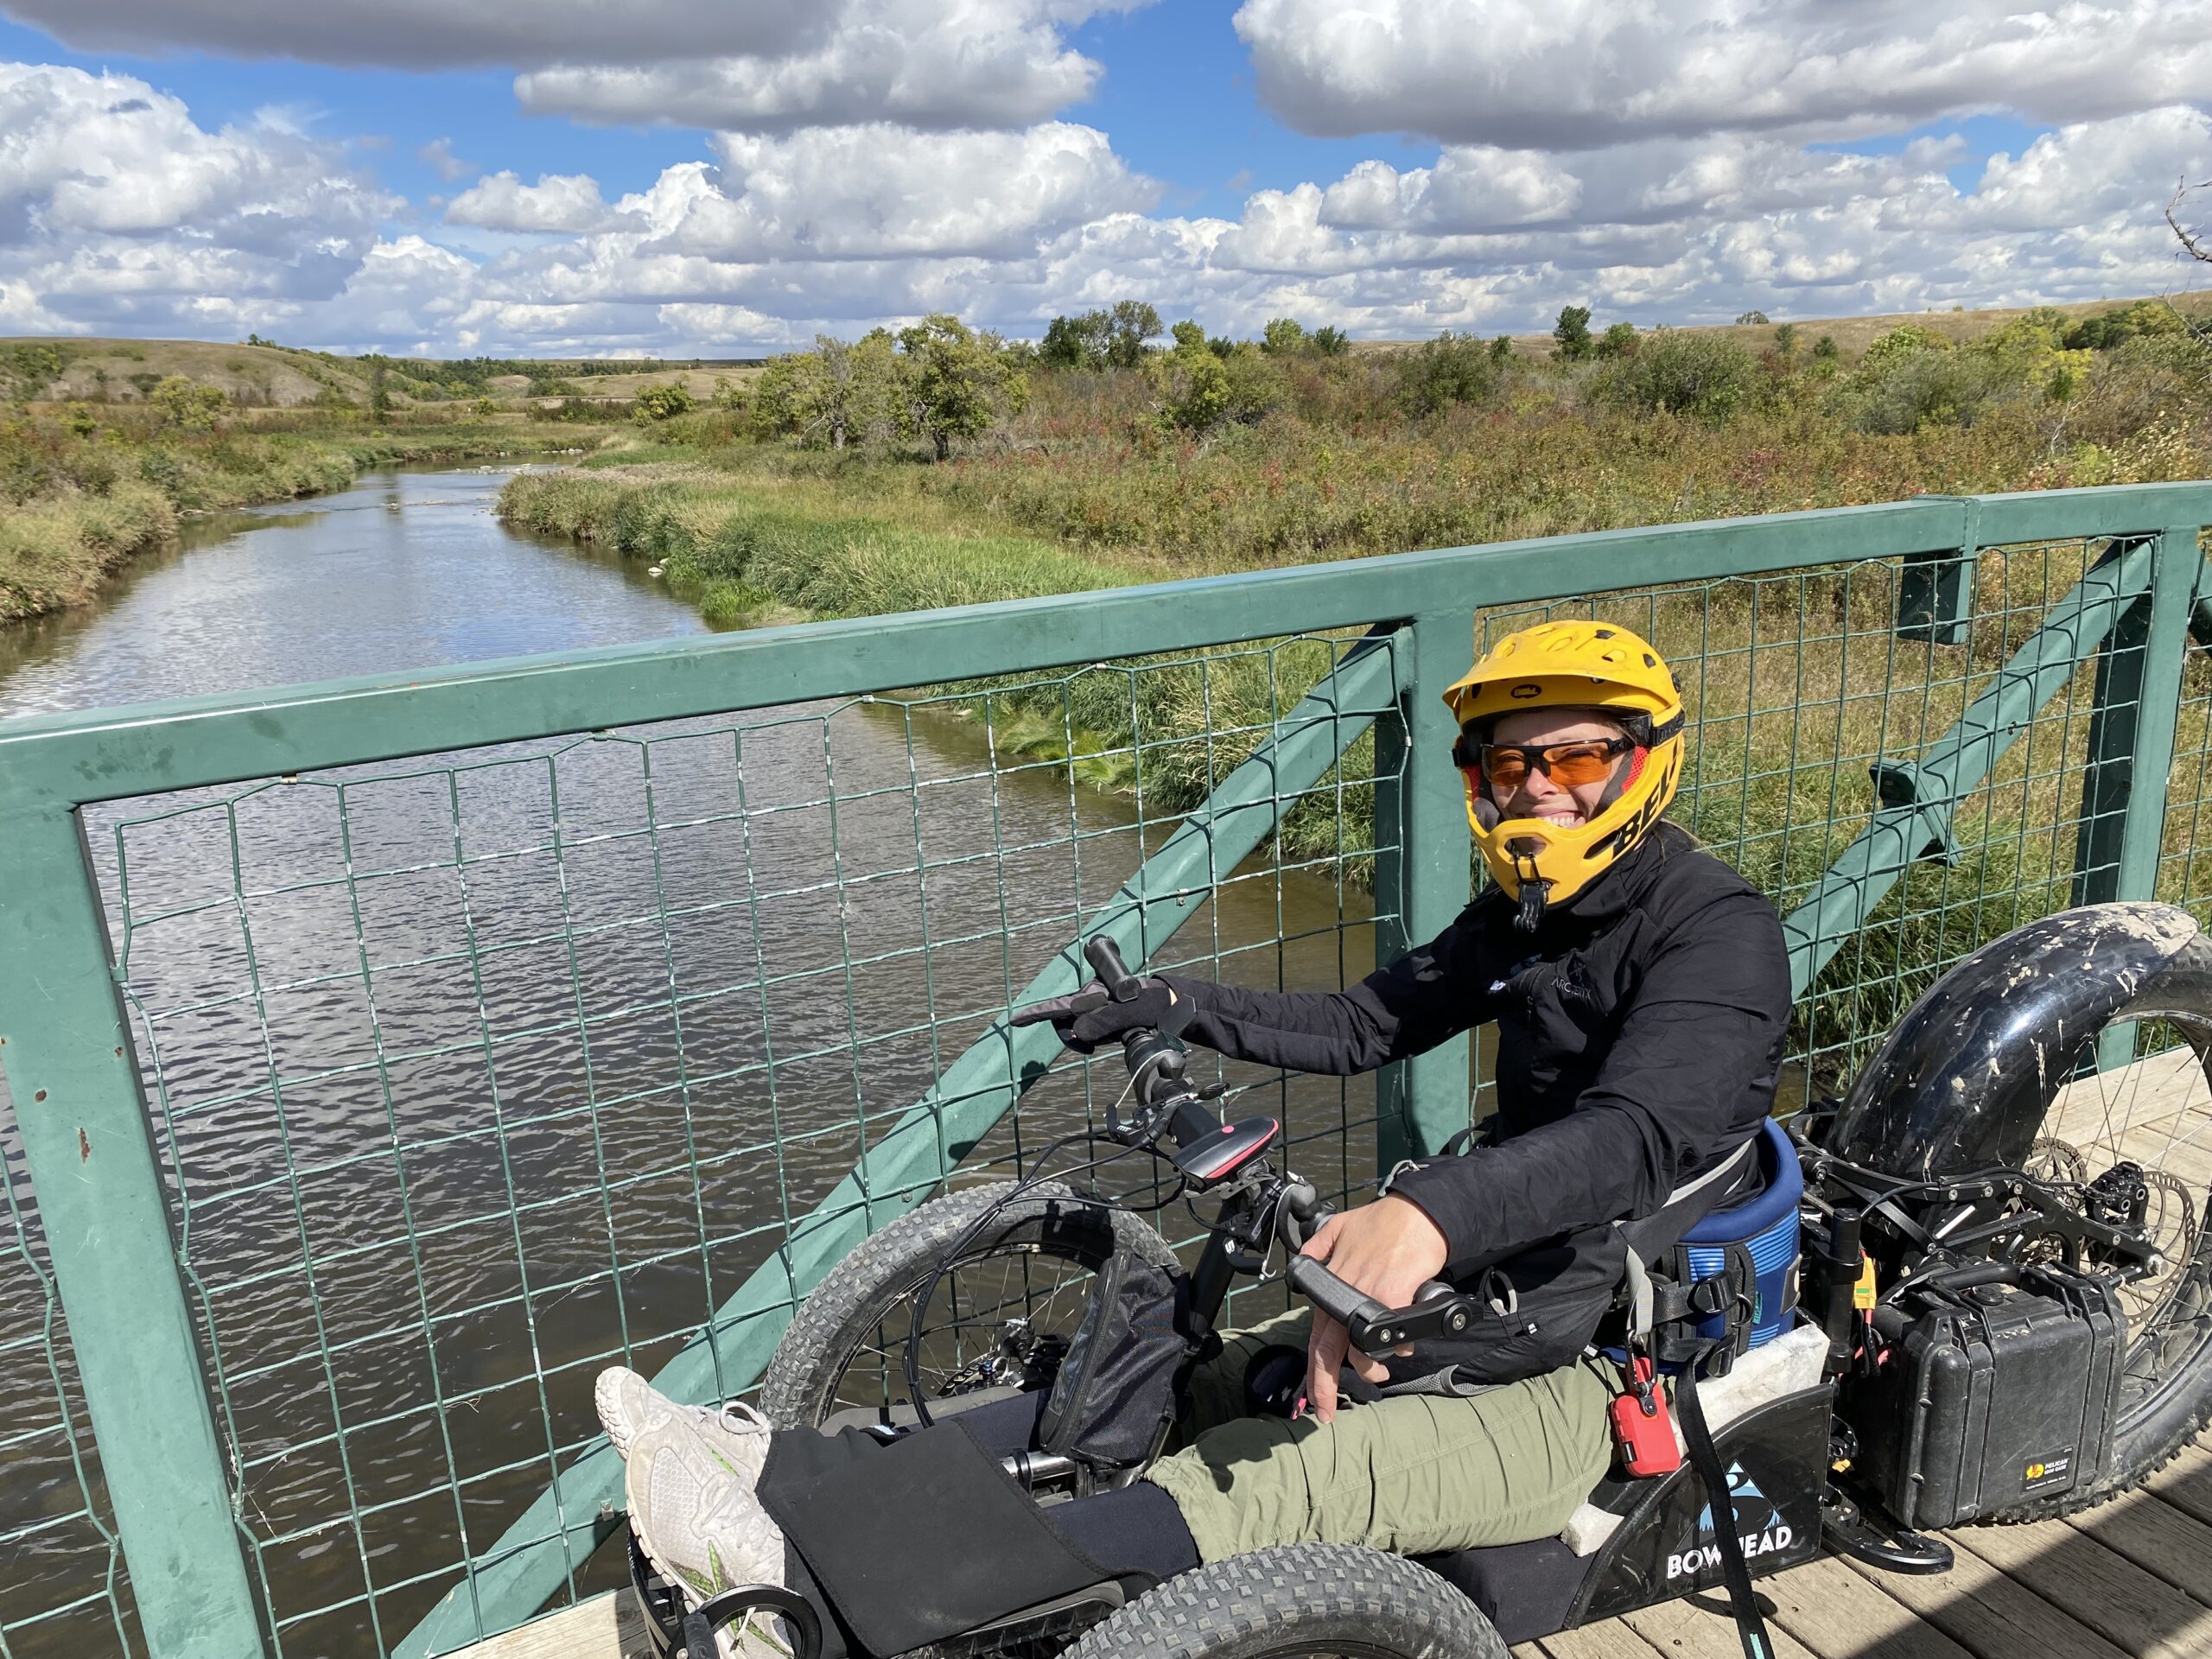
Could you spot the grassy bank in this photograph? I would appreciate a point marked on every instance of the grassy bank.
(82, 490)
(1798, 681)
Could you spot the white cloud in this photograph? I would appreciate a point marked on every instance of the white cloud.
(1582, 74)
(446, 165)
(878, 191)
(424, 33)
(938, 64)
(558, 202)
(117, 210)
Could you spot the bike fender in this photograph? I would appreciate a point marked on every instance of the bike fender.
(1965, 1080)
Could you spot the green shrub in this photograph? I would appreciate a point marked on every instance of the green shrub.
(1707, 376)
(661, 402)
(1450, 369)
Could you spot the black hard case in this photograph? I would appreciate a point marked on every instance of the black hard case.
(1997, 1397)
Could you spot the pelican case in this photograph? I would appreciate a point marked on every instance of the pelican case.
(1994, 1398)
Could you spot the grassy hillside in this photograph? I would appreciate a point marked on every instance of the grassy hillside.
(127, 371)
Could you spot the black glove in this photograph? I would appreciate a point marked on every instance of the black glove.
(1091, 1017)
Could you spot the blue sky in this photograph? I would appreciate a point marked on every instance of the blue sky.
(1393, 168)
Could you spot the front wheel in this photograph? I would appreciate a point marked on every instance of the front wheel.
(999, 1319)
(1296, 1600)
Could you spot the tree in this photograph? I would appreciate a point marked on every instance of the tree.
(1331, 341)
(1077, 342)
(1283, 336)
(1785, 340)
(1198, 386)
(1824, 350)
(379, 391)
(955, 383)
(1618, 341)
(1571, 331)
(1500, 349)
(842, 389)
(1751, 319)
(1133, 323)
(186, 405)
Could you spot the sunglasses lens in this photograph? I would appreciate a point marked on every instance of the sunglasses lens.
(1566, 764)
(1579, 763)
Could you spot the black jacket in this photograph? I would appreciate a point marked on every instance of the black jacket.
(1639, 1032)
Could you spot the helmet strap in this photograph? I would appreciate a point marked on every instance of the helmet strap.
(1533, 894)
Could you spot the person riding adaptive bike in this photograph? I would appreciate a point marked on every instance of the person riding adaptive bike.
(1640, 990)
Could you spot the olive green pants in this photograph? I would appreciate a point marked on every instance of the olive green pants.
(1413, 1474)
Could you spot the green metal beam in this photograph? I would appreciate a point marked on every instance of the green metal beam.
(532, 1561)
(1954, 765)
(1421, 853)
(2131, 721)
(74, 758)
(65, 1044)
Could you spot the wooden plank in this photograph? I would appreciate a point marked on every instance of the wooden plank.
(2158, 1537)
(1837, 1614)
(606, 1627)
(1989, 1615)
(2186, 1483)
(2137, 1613)
(1609, 1639)
(1686, 1630)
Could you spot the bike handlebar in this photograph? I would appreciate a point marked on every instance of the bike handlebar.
(1105, 959)
(1355, 1311)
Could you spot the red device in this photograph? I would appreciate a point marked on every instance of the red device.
(1644, 1431)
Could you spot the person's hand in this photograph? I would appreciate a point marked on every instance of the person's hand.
(1387, 1249)
(1089, 1017)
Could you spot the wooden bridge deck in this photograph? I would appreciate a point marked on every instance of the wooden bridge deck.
(2131, 1579)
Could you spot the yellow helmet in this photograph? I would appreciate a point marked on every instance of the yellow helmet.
(1595, 665)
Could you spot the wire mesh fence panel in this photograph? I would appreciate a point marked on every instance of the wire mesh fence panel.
(63, 1588)
(474, 1076)
(1807, 706)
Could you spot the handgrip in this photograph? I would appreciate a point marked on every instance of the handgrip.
(1352, 1309)
(1105, 959)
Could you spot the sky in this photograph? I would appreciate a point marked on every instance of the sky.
(730, 177)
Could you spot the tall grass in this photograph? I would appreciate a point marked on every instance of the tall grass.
(82, 491)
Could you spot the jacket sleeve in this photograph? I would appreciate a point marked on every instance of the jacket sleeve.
(1689, 1074)
(1428, 995)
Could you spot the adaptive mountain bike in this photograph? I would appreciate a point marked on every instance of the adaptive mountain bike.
(1977, 1290)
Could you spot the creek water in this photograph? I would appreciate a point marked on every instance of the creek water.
(461, 1067)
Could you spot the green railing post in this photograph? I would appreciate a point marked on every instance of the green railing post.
(2130, 741)
(88, 1145)
(1421, 851)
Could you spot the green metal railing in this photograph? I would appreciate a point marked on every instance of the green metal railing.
(386, 1056)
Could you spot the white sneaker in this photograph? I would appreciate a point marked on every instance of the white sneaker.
(689, 1482)
(630, 1407)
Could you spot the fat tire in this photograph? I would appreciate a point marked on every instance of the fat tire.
(1299, 1598)
(887, 1267)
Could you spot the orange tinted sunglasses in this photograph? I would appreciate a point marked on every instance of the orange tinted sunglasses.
(1591, 761)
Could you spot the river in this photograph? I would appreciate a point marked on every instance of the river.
(461, 1067)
